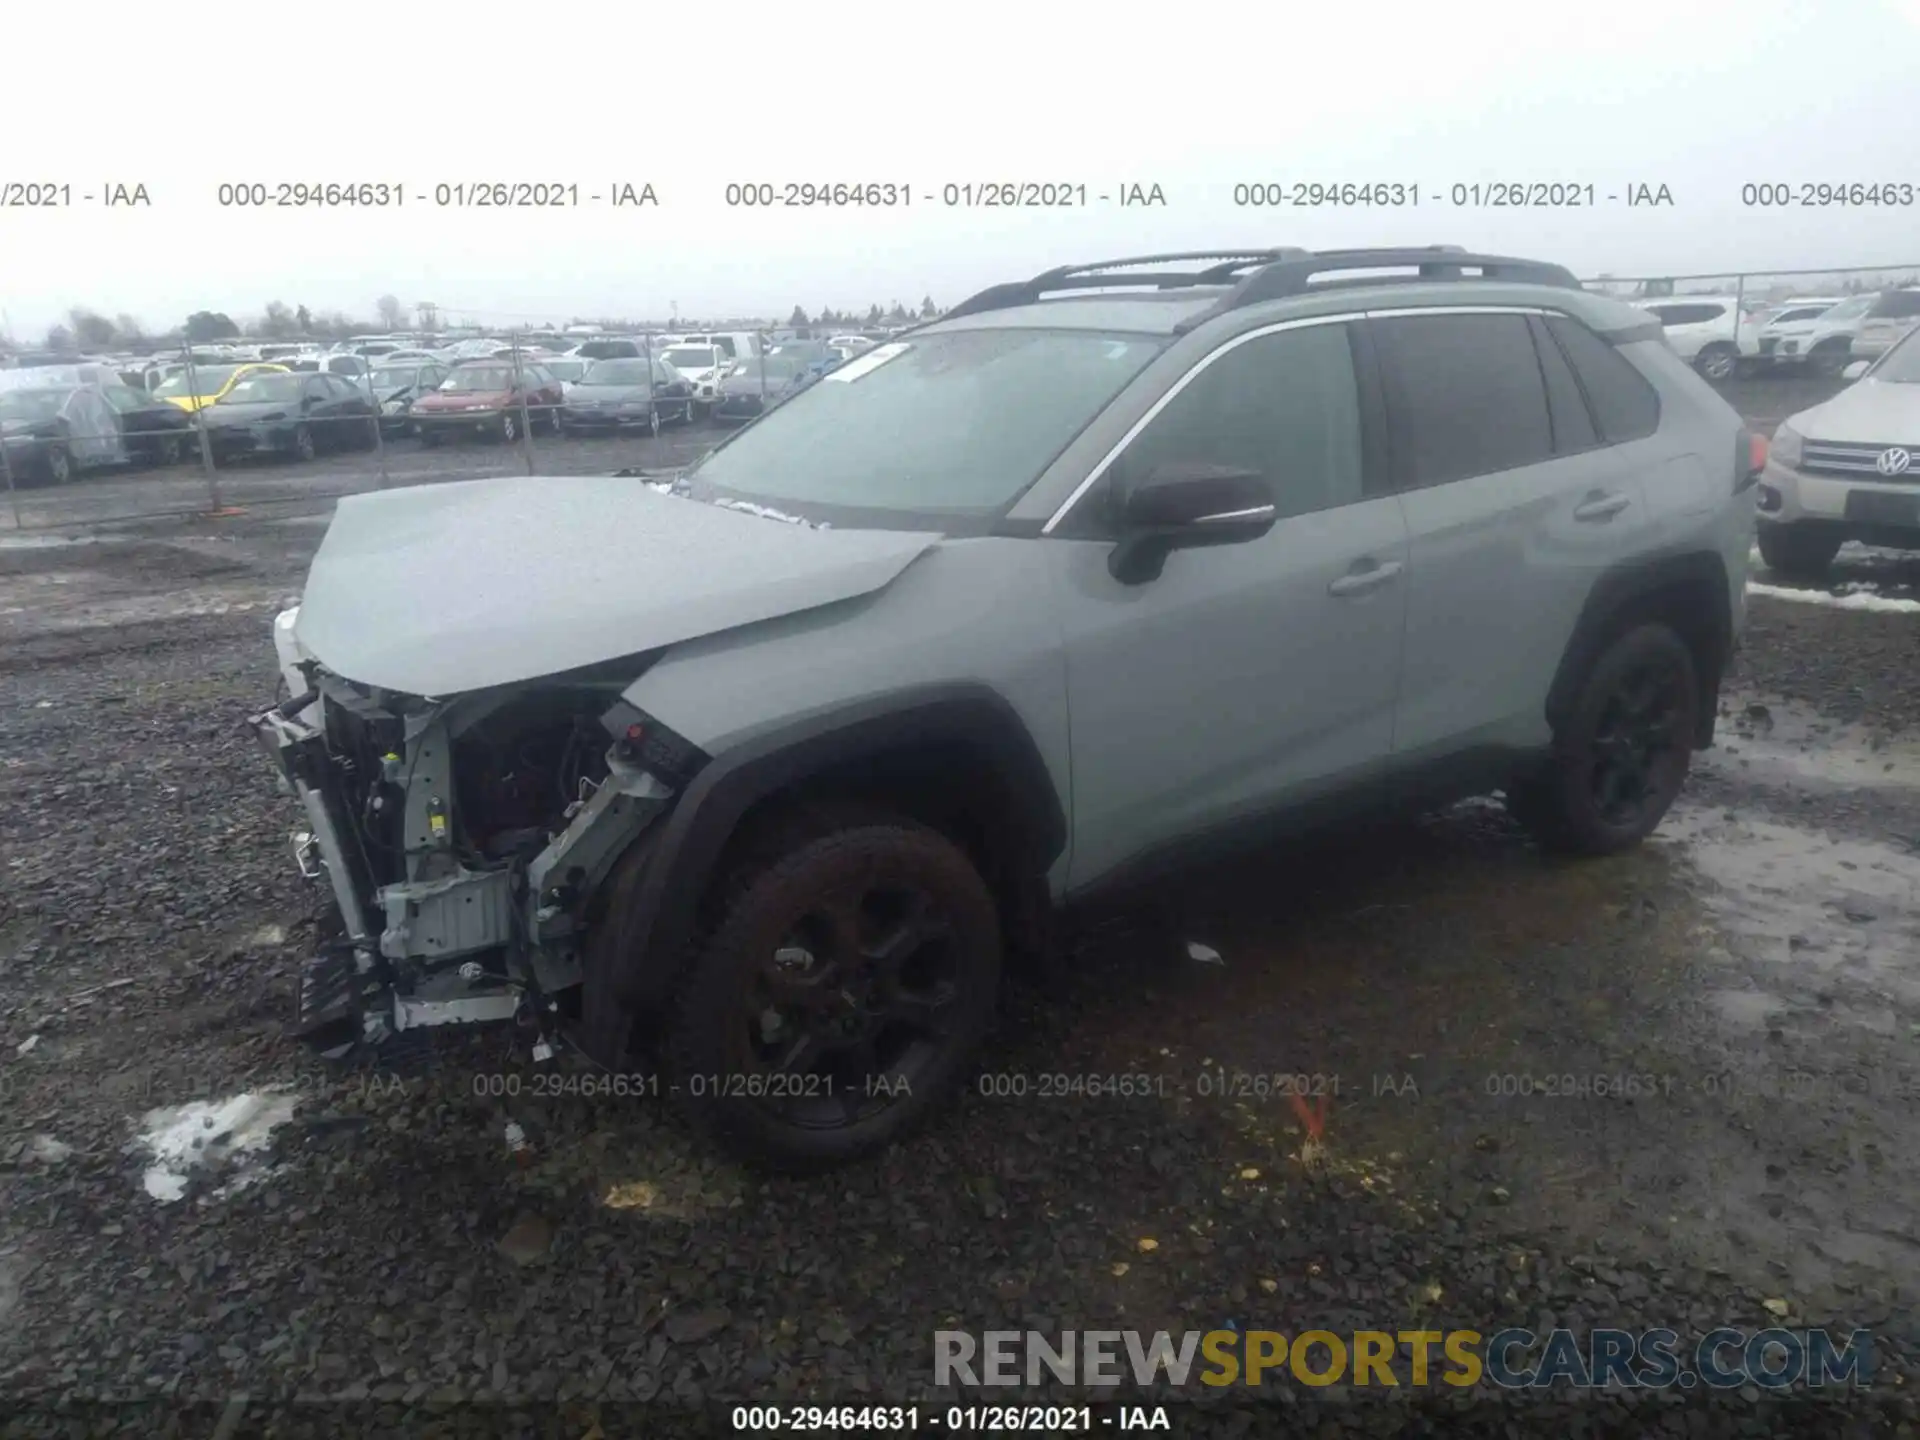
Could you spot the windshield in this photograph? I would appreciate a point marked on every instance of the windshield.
(31, 404)
(952, 425)
(393, 379)
(271, 388)
(479, 378)
(1902, 363)
(1798, 312)
(692, 357)
(562, 368)
(616, 372)
(201, 380)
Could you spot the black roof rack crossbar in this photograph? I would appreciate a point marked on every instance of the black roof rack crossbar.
(1226, 266)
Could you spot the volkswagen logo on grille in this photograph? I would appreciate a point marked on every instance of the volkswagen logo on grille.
(1894, 462)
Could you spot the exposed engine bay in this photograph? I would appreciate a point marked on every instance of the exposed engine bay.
(461, 840)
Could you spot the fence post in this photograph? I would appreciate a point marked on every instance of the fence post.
(379, 437)
(200, 425)
(13, 496)
(520, 388)
(1739, 314)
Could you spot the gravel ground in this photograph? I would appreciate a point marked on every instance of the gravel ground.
(387, 1260)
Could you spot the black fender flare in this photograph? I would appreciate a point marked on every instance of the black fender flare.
(657, 924)
(1646, 590)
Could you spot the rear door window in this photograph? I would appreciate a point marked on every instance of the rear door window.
(1466, 394)
(1625, 405)
(1897, 305)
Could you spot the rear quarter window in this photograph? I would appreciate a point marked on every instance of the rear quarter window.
(1625, 404)
(1897, 305)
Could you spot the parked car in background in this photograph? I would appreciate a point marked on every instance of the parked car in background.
(53, 434)
(400, 357)
(704, 367)
(815, 357)
(58, 377)
(1848, 469)
(153, 431)
(568, 368)
(755, 386)
(290, 413)
(393, 387)
(201, 385)
(1710, 332)
(608, 347)
(627, 394)
(339, 363)
(1890, 319)
(1785, 335)
(489, 397)
(733, 344)
(850, 342)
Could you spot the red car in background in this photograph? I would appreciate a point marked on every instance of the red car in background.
(490, 398)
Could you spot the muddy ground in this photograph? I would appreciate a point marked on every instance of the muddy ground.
(1676, 1088)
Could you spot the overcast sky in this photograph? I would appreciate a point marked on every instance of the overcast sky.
(1701, 98)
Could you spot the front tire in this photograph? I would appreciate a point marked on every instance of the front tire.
(303, 446)
(653, 421)
(1829, 358)
(1622, 755)
(1798, 551)
(429, 437)
(509, 427)
(59, 464)
(171, 448)
(839, 996)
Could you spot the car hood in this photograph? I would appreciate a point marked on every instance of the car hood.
(1868, 412)
(440, 589)
(250, 412)
(628, 394)
(461, 399)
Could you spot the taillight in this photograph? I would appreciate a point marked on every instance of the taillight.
(1750, 459)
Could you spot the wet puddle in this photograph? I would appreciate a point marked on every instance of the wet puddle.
(1781, 740)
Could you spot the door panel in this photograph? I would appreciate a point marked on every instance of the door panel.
(1501, 561)
(1240, 682)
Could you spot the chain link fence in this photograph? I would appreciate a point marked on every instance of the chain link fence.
(251, 427)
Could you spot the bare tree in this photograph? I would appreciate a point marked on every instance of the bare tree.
(393, 314)
(92, 330)
(59, 338)
(129, 329)
(277, 323)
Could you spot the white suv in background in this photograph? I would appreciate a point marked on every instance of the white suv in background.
(1818, 333)
(1709, 332)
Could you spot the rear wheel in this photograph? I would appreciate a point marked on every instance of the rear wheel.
(303, 446)
(170, 449)
(653, 421)
(509, 427)
(1799, 551)
(839, 996)
(1622, 755)
(59, 464)
(1718, 362)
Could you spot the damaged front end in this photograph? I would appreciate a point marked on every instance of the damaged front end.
(462, 840)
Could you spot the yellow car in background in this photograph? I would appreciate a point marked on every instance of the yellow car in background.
(202, 385)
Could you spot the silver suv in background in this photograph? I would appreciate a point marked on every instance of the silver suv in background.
(768, 769)
(1847, 470)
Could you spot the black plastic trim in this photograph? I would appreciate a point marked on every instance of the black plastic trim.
(657, 927)
(1622, 591)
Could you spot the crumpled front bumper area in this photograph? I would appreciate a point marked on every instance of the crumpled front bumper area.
(432, 933)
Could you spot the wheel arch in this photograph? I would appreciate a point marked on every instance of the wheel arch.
(1687, 591)
(958, 757)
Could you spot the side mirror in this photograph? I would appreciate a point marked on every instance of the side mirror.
(1856, 370)
(1180, 506)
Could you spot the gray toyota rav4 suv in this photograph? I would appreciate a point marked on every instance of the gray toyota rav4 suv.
(766, 769)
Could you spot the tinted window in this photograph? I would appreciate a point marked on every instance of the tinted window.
(1687, 314)
(1467, 394)
(1897, 305)
(1624, 404)
(1283, 405)
(318, 389)
(1566, 406)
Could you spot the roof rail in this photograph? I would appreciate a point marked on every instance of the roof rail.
(1097, 276)
(1259, 275)
(1295, 275)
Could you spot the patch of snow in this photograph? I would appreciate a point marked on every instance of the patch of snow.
(27, 1046)
(49, 1150)
(233, 1133)
(1853, 599)
(747, 507)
